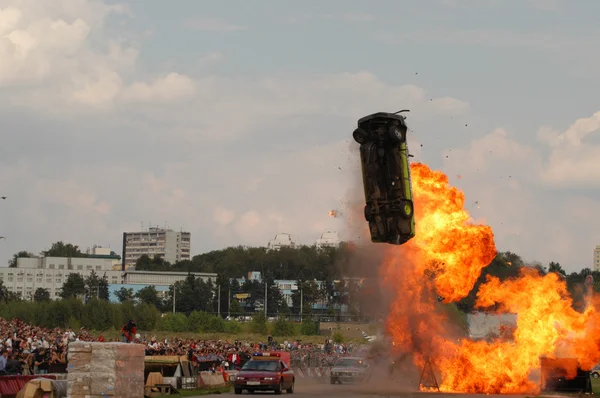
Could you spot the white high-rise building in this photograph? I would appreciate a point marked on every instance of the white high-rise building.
(328, 239)
(171, 245)
(596, 263)
(281, 240)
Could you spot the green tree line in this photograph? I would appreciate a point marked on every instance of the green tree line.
(305, 264)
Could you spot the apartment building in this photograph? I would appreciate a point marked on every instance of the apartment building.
(172, 246)
(51, 273)
(596, 263)
(281, 240)
(328, 239)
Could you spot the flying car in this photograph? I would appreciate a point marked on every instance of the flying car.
(385, 167)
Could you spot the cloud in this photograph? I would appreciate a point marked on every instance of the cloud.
(49, 58)
(515, 188)
(168, 88)
(573, 162)
(212, 25)
(210, 58)
(100, 142)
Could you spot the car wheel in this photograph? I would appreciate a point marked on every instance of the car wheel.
(279, 388)
(237, 390)
(407, 208)
(398, 133)
(291, 389)
(595, 375)
(367, 214)
(360, 136)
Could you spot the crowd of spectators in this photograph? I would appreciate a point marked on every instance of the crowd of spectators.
(27, 349)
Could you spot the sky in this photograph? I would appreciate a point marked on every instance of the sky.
(233, 119)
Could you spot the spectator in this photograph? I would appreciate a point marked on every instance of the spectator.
(3, 359)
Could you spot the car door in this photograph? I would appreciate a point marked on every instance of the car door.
(285, 374)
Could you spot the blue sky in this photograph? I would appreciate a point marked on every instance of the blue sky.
(233, 119)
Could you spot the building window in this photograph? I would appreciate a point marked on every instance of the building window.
(51, 266)
(39, 280)
(19, 279)
(89, 267)
(61, 266)
(80, 267)
(98, 267)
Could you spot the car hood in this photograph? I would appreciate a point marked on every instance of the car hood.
(256, 374)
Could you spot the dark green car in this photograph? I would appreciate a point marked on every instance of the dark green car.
(384, 156)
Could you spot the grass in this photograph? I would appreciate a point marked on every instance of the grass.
(251, 337)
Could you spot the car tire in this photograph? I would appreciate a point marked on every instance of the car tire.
(237, 391)
(279, 388)
(595, 375)
(398, 133)
(368, 215)
(291, 389)
(407, 209)
(360, 136)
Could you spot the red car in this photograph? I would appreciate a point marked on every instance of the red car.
(265, 372)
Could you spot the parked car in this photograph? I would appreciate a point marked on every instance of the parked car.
(385, 167)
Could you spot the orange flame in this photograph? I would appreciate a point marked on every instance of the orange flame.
(445, 259)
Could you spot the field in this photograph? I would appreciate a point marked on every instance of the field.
(244, 336)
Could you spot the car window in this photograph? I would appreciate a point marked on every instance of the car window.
(350, 363)
(268, 366)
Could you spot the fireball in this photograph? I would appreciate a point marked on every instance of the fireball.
(444, 260)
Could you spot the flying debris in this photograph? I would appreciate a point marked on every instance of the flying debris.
(386, 177)
(3, 237)
(3, 197)
(334, 213)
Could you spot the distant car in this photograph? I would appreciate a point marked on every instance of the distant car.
(385, 164)
(350, 370)
(265, 372)
(595, 372)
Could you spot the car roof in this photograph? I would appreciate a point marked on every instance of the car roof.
(386, 115)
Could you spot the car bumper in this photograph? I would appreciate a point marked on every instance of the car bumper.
(263, 386)
(350, 379)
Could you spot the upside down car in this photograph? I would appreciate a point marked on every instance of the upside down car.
(265, 372)
(386, 177)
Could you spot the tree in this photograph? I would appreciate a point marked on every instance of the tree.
(310, 293)
(12, 263)
(61, 249)
(235, 308)
(6, 295)
(124, 294)
(96, 287)
(557, 268)
(149, 295)
(192, 294)
(156, 263)
(41, 294)
(73, 287)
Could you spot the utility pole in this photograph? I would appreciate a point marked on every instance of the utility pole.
(301, 300)
(219, 301)
(229, 300)
(266, 293)
(174, 293)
